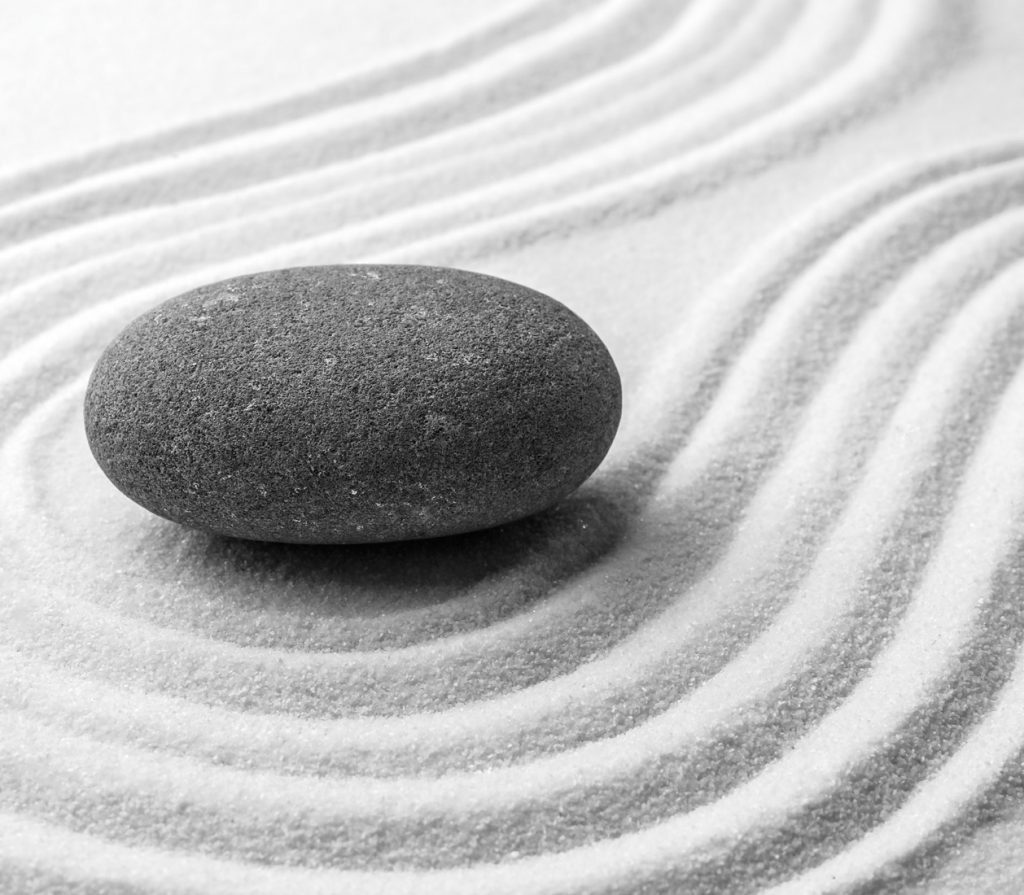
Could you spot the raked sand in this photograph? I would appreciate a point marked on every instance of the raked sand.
(775, 644)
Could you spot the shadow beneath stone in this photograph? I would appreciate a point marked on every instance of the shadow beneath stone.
(376, 579)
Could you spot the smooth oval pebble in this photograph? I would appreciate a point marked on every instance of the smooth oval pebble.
(352, 404)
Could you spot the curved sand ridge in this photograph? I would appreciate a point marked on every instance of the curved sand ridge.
(774, 641)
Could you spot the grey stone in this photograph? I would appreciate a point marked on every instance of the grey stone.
(352, 404)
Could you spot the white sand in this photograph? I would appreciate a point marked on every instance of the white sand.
(774, 644)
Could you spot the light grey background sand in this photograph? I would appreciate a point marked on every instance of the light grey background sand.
(775, 642)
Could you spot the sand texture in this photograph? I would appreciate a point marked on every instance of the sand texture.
(775, 644)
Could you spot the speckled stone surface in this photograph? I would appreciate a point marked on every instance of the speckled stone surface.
(352, 404)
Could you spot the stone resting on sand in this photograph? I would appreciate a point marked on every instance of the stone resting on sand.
(352, 404)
